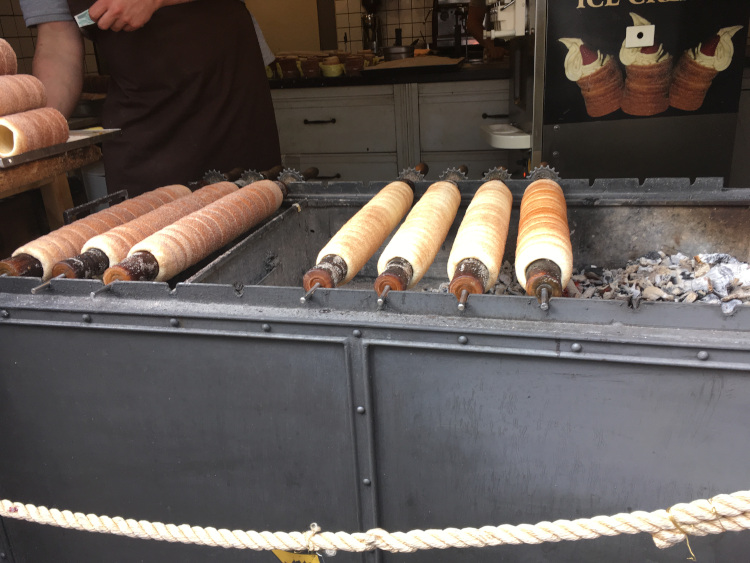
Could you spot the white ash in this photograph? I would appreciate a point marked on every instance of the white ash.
(706, 278)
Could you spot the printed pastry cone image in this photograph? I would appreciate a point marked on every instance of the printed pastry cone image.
(697, 68)
(598, 76)
(648, 73)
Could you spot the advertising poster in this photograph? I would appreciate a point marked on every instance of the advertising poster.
(689, 63)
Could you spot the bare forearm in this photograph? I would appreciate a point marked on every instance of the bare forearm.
(58, 63)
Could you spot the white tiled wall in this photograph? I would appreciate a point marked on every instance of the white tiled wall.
(23, 39)
(414, 17)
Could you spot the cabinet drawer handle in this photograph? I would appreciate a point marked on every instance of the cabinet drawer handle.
(334, 177)
(319, 121)
(494, 115)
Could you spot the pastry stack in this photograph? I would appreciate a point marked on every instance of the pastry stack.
(598, 76)
(25, 124)
(648, 76)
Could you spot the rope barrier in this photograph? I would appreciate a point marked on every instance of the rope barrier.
(722, 513)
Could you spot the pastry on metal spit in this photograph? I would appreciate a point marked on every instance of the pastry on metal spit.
(414, 246)
(113, 246)
(599, 77)
(355, 243)
(38, 257)
(544, 255)
(477, 254)
(8, 59)
(648, 75)
(30, 130)
(178, 246)
(697, 68)
(21, 92)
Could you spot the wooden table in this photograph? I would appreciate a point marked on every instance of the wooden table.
(49, 175)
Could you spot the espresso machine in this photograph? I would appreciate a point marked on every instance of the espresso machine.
(449, 36)
(372, 34)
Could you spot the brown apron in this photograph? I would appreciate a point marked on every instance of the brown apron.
(190, 93)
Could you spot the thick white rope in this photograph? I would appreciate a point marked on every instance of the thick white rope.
(722, 513)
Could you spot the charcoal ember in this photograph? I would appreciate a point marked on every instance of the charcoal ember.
(700, 284)
(721, 279)
(716, 258)
(579, 278)
(651, 258)
(608, 295)
(690, 297)
(701, 270)
(653, 293)
(710, 298)
(444, 287)
(730, 307)
(572, 289)
(588, 293)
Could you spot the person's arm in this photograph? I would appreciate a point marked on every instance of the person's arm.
(58, 63)
(475, 27)
(126, 15)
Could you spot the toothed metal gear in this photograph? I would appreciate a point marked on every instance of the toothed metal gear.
(544, 172)
(411, 174)
(498, 173)
(289, 175)
(453, 175)
(214, 177)
(248, 177)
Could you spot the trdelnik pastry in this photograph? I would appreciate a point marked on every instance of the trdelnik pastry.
(648, 74)
(598, 76)
(697, 68)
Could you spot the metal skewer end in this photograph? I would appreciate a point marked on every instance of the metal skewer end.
(462, 301)
(382, 296)
(544, 299)
(102, 289)
(46, 284)
(306, 297)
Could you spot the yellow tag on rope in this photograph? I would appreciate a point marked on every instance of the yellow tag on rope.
(286, 557)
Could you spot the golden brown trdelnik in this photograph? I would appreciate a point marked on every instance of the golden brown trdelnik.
(30, 130)
(68, 241)
(8, 60)
(21, 92)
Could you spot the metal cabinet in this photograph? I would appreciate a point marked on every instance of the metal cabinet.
(367, 133)
(347, 132)
(450, 117)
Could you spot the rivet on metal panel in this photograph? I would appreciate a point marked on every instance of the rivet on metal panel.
(576, 347)
(4, 314)
(174, 322)
(463, 340)
(86, 318)
(265, 327)
(366, 482)
(361, 410)
(555, 153)
(556, 128)
(703, 355)
(3, 555)
(357, 333)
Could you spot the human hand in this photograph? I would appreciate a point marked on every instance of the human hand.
(123, 15)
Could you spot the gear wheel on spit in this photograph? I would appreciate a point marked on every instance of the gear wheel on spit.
(248, 177)
(214, 177)
(544, 172)
(498, 173)
(289, 175)
(453, 175)
(411, 174)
